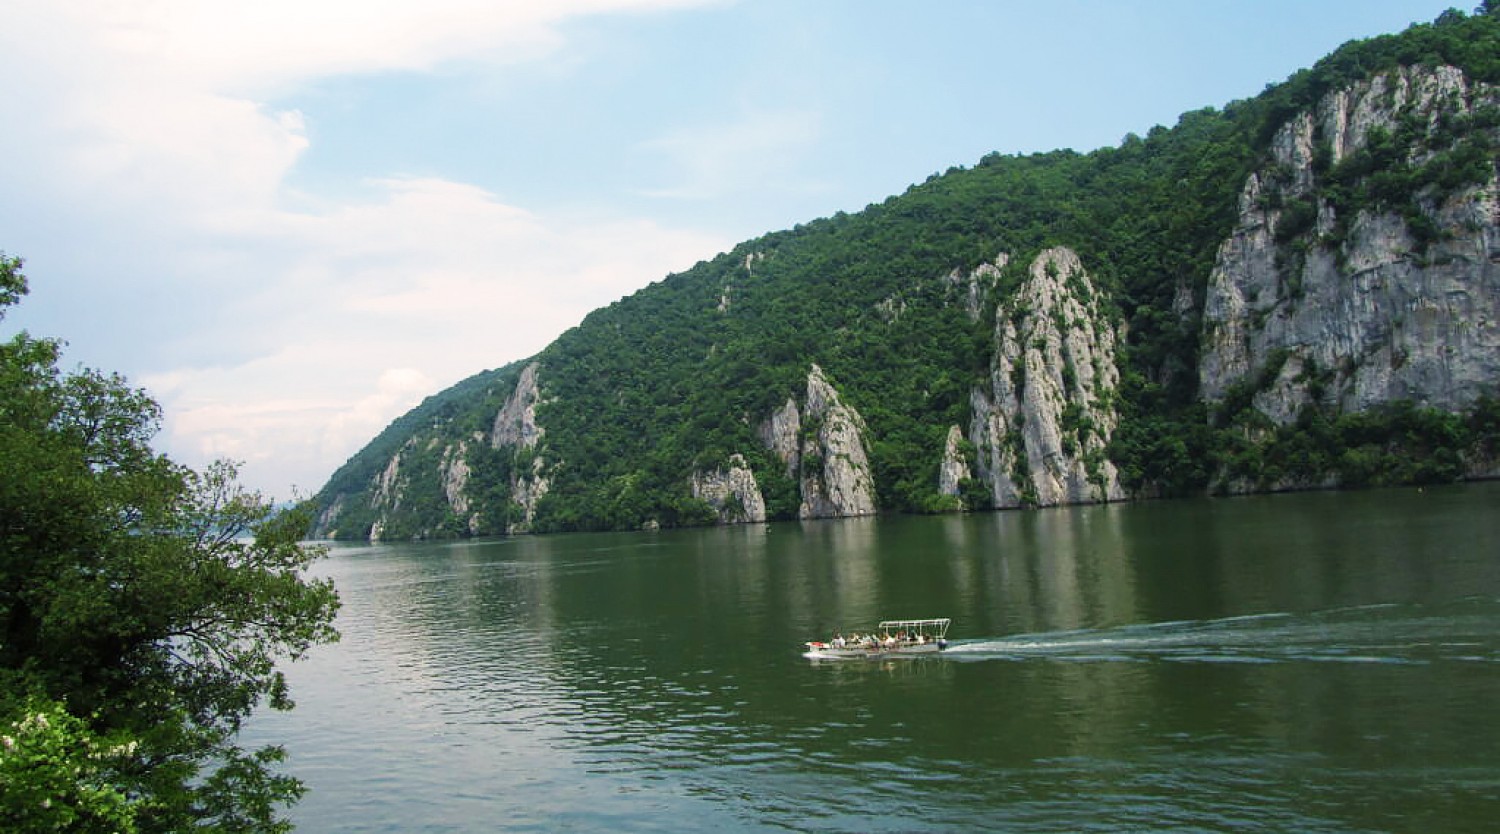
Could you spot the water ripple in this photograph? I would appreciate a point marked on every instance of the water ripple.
(1467, 631)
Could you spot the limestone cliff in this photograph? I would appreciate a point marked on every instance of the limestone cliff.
(386, 494)
(733, 493)
(823, 445)
(515, 423)
(387, 491)
(516, 427)
(836, 479)
(455, 468)
(431, 485)
(782, 435)
(1320, 300)
(976, 284)
(455, 472)
(954, 469)
(1044, 418)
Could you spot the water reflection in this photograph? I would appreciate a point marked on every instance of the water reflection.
(1150, 665)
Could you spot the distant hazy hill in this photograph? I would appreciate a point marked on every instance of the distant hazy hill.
(1301, 289)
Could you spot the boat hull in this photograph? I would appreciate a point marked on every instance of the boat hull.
(824, 651)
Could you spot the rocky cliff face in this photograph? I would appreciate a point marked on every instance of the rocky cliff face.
(428, 464)
(1319, 300)
(386, 494)
(954, 469)
(1042, 422)
(733, 493)
(455, 479)
(836, 478)
(823, 445)
(516, 427)
(782, 435)
(515, 423)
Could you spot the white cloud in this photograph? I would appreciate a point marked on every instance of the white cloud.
(281, 328)
(245, 48)
(387, 302)
(300, 435)
(162, 102)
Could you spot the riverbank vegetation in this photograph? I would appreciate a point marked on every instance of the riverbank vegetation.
(143, 609)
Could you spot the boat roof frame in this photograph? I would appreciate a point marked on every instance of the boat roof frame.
(937, 626)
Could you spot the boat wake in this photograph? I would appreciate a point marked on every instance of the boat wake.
(1465, 631)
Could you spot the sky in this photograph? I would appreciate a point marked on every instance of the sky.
(291, 220)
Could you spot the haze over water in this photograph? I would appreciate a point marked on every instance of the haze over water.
(1312, 662)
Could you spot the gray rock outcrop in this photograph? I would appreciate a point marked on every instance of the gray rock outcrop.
(455, 474)
(1353, 312)
(387, 492)
(516, 426)
(836, 478)
(733, 493)
(526, 490)
(455, 471)
(975, 285)
(1043, 421)
(822, 445)
(386, 495)
(782, 434)
(954, 469)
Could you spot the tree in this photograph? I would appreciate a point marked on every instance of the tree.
(143, 605)
(57, 775)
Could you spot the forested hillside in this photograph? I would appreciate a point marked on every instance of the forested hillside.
(931, 350)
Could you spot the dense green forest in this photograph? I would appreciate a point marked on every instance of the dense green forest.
(677, 377)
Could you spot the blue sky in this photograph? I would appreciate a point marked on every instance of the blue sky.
(291, 220)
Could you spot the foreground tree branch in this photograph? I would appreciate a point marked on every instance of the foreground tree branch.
(144, 608)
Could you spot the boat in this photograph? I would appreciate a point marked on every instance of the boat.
(892, 638)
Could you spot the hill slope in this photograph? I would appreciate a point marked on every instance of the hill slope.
(1298, 290)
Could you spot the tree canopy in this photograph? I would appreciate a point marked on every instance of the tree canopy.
(143, 609)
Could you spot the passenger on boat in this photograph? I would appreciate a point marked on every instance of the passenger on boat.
(838, 641)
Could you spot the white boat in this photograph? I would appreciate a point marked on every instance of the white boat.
(893, 638)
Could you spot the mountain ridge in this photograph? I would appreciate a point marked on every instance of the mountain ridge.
(1026, 332)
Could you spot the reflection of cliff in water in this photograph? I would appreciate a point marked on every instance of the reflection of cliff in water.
(694, 642)
(1179, 636)
(1312, 551)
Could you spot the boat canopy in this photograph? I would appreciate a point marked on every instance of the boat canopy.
(928, 628)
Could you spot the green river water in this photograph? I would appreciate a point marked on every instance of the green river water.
(1320, 662)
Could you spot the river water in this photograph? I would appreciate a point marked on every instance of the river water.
(1322, 662)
